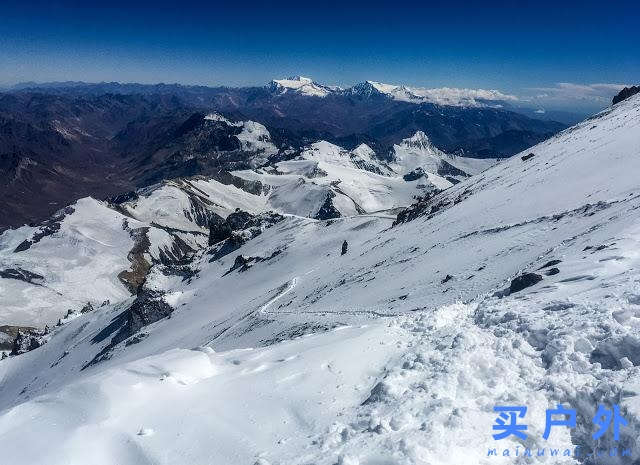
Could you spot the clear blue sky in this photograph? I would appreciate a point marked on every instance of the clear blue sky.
(523, 50)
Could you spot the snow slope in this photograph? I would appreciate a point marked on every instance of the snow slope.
(79, 262)
(393, 353)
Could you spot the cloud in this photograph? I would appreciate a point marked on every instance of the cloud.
(599, 93)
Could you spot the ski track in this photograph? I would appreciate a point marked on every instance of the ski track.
(289, 287)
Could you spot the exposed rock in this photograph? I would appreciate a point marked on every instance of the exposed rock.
(414, 175)
(552, 271)
(47, 228)
(8, 334)
(28, 340)
(135, 277)
(24, 245)
(379, 393)
(345, 246)
(87, 308)
(523, 281)
(447, 170)
(21, 275)
(625, 94)
(238, 219)
(148, 307)
(251, 186)
(122, 198)
(178, 254)
(527, 157)
(252, 228)
(424, 205)
(550, 263)
(446, 279)
(219, 230)
(242, 263)
(328, 211)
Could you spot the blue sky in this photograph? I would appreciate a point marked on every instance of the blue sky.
(553, 54)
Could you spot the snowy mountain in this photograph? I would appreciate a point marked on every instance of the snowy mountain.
(368, 89)
(326, 181)
(439, 96)
(166, 223)
(271, 344)
(301, 85)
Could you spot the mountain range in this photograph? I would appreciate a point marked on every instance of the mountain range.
(62, 141)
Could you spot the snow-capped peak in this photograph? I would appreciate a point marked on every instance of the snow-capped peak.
(440, 96)
(420, 141)
(219, 118)
(418, 152)
(364, 151)
(301, 85)
(368, 88)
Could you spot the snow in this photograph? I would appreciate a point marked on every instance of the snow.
(185, 382)
(79, 262)
(396, 352)
(302, 85)
(359, 181)
(220, 118)
(255, 138)
(442, 95)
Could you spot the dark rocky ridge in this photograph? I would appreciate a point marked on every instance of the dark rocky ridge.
(625, 94)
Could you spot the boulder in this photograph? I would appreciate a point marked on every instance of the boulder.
(524, 281)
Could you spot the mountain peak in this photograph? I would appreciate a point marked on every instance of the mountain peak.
(300, 85)
(301, 79)
(419, 141)
(368, 89)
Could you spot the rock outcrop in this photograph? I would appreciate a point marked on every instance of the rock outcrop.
(625, 94)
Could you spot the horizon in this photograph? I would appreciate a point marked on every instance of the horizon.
(517, 102)
(568, 58)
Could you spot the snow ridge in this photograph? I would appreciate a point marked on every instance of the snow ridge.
(440, 96)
